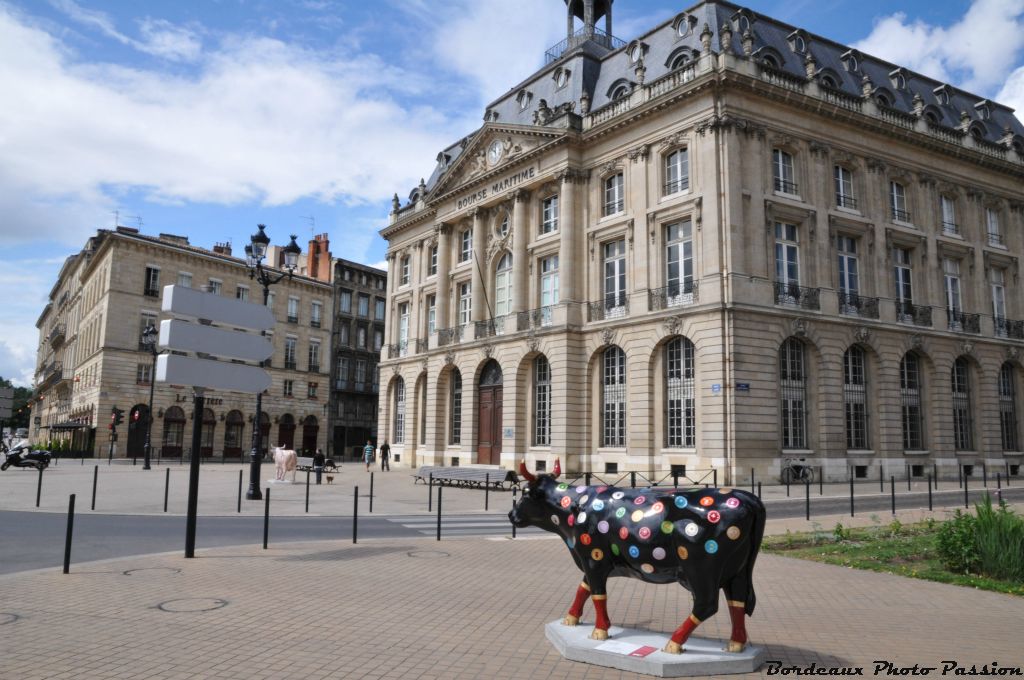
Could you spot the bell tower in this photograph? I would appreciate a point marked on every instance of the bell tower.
(589, 12)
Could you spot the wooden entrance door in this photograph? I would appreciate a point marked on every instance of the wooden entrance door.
(488, 450)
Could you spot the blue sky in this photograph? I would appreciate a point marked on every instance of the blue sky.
(204, 118)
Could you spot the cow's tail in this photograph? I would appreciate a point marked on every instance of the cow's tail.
(756, 534)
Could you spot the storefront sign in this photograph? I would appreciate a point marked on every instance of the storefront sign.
(210, 401)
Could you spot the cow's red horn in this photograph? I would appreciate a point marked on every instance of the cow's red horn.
(526, 474)
(558, 469)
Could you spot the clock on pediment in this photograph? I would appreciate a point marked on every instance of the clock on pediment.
(495, 152)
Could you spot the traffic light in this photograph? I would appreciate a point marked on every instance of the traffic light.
(116, 416)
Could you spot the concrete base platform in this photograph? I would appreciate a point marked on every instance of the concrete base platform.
(701, 656)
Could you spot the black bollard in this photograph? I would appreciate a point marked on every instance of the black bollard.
(787, 483)
(821, 483)
(266, 519)
(67, 537)
(240, 472)
(95, 475)
(39, 487)
(487, 491)
(807, 496)
(430, 493)
(881, 479)
(714, 478)
(371, 491)
(355, 516)
(960, 475)
(586, 478)
(999, 481)
(984, 475)
(307, 490)
(675, 482)
(759, 489)
(632, 480)
(1007, 474)
(751, 480)
(935, 475)
(851, 495)
(929, 493)
(167, 487)
(892, 492)
(908, 478)
(439, 490)
(966, 502)
(514, 489)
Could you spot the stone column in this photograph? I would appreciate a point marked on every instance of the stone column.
(567, 232)
(479, 264)
(415, 280)
(520, 280)
(389, 304)
(443, 266)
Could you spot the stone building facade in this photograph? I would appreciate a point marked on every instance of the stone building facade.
(725, 245)
(358, 340)
(91, 357)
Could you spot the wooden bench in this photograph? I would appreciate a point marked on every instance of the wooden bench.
(466, 477)
(305, 464)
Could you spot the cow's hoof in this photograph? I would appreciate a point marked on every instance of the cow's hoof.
(673, 647)
(735, 647)
(599, 634)
(570, 620)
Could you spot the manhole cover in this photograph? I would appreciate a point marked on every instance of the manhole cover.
(427, 554)
(132, 572)
(192, 604)
(8, 617)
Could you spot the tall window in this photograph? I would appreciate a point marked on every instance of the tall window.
(1008, 408)
(911, 399)
(783, 178)
(503, 286)
(361, 337)
(992, 228)
(144, 373)
(343, 371)
(378, 340)
(793, 384)
(541, 402)
(898, 202)
(679, 262)
(949, 225)
(289, 353)
(405, 268)
(677, 171)
(432, 269)
(146, 319)
(844, 187)
(314, 356)
(787, 263)
(902, 271)
(343, 334)
(360, 373)
(465, 302)
(951, 282)
(378, 309)
(456, 407)
(316, 312)
(849, 278)
(184, 279)
(403, 328)
(215, 286)
(466, 245)
(613, 195)
(962, 428)
(288, 388)
(364, 305)
(431, 314)
(549, 215)
(615, 278)
(398, 436)
(998, 278)
(548, 288)
(242, 293)
(680, 401)
(151, 287)
(855, 398)
(613, 397)
(293, 310)
(345, 301)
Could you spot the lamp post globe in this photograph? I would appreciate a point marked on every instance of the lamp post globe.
(149, 340)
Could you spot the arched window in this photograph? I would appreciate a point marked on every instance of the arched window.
(541, 401)
(174, 432)
(234, 425)
(620, 92)
(829, 82)
(883, 99)
(770, 61)
(398, 436)
(455, 403)
(286, 431)
(960, 384)
(209, 425)
(793, 388)
(911, 393)
(310, 434)
(1008, 408)
(613, 397)
(503, 286)
(855, 398)
(680, 403)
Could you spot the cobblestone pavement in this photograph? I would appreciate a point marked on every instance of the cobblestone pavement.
(464, 608)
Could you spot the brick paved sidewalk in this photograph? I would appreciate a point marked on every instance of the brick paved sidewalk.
(465, 608)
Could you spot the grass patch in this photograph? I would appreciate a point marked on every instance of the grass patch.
(895, 548)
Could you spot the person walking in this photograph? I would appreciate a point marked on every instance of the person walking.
(385, 455)
(368, 454)
(318, 464)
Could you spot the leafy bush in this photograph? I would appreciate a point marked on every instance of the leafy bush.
(840, 533)
(957, 544)
(1000, 541)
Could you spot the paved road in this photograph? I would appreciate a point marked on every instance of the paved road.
(32, 540)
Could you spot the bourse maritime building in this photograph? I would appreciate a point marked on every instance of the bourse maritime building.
(724, 245)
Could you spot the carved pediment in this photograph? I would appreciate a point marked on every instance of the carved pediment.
(491, 149)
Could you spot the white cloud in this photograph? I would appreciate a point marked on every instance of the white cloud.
(31, 279)
(1012, 93)
(160, 38)
(976, 52)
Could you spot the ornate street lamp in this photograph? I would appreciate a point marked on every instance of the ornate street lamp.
(149, 338)
(255, 252)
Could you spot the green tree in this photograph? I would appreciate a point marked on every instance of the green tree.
(20, 412)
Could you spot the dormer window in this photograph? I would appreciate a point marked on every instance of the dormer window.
(898, 79)
(829, 82)
(683, 24)
(983, 109)
(680, 58)
(770, 61)
(942, 94)
(636, 51)
(932, 117)
(883, 99)
(797, 41)
(523, 99)
(620, 92)
(561, 77)
(851, 60)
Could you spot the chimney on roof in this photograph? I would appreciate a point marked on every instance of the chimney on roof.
(318, 258)
(222, 248)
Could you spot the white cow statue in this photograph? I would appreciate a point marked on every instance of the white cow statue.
(286, 461)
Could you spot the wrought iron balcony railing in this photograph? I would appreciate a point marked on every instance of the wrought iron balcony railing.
(794, 295)
(853, 304)
(1008, 328)
(449, 336)
(962, 322)
(950, 227)
(995, 239)
(535, 318)
(611, 307)
(844, 201)
(578, 38)
(901, 215)
(677, 185)
(676, 295)
(908, 312)
(785, 186)
(420, 346)
(57, 334)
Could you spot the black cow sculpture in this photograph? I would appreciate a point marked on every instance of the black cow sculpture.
(704, 539)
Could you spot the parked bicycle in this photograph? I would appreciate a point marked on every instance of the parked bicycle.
(797, 471)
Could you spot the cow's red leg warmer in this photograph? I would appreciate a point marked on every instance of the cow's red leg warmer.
(582, 593)
(600, 606)
(737, 614)
(683, 632)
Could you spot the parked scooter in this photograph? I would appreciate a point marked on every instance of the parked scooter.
(22, 455)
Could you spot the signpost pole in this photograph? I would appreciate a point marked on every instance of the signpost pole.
(193, 472)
